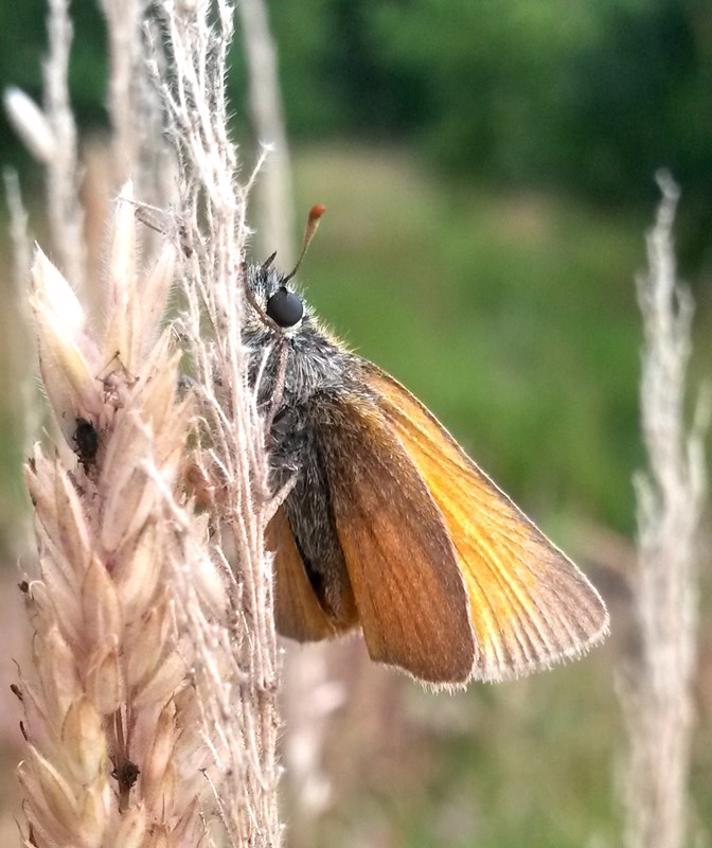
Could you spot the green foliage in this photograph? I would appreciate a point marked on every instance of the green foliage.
(308, 50)
(493, 75)
(595, 96)
(590, 96)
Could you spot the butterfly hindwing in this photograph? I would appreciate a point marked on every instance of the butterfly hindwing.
(298, 613)
(409, 593)
(530, 605)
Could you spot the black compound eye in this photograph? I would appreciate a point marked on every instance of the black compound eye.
(285, 308)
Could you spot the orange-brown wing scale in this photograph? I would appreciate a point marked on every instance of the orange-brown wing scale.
(530, 605)
(297, 611)
(409, 593)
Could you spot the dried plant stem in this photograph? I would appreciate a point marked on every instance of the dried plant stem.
(64, 211)
(274, 188)
(19, 229)
(124, 22)
(155, 649)
(311, 697)
(49, 133)
(23, 380)
(238, 693)
(656, 691)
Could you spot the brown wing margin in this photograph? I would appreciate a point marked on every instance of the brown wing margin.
(530, 605)
(409, 593)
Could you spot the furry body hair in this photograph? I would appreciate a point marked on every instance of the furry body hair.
(319, 372)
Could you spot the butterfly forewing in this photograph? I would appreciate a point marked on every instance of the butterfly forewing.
(409, 592)
(530, 605)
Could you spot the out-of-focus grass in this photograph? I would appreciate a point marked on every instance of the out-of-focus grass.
(514, 317)
(16, 370)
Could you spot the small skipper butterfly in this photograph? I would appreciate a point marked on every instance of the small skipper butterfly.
(390, 527)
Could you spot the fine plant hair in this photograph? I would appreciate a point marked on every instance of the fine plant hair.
(150, 714)
(656, 685)
(237, 669)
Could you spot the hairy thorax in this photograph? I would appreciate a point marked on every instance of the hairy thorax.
(299, 373)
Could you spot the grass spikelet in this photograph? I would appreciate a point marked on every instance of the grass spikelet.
(114, 753)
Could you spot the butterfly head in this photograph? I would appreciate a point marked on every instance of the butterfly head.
(280, 307)
(274, 302)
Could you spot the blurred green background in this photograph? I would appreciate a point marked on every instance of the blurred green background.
(488, 170)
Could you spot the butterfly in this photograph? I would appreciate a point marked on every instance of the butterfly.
(389, 526)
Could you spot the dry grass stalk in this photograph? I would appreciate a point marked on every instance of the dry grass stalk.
(275, 205)
(50, 135)
(117, 753)
(20, 387)
(138, 150)
(112, 721)
(657, 686)
(124, 21)
(19, 229)
(311, 697)
(64, 211)
(138, 668)
(238, 690)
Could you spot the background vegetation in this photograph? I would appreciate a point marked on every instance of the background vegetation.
(488, 170)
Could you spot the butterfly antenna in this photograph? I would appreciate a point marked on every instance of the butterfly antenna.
(268, 261)
(313, 219)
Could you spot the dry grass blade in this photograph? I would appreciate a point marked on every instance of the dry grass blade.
(63, 208)
(238, 689)
(275, 205)
(656, 690)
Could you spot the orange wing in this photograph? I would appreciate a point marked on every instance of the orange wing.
(530, 605)
(297, 610)
(409, 592)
